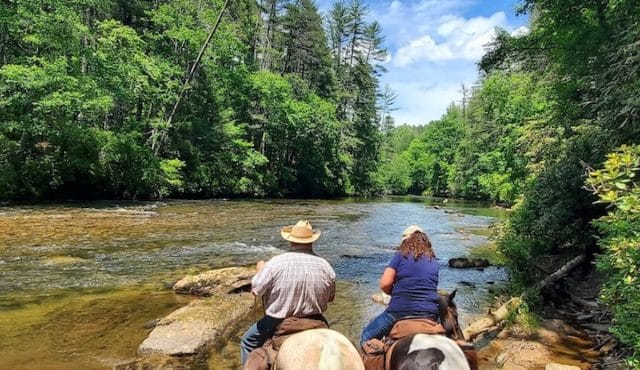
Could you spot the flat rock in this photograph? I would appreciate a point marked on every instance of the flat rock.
(221, 281)
(555, 366)
(199, 326)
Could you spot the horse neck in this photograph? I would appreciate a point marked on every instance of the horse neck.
(448, 320)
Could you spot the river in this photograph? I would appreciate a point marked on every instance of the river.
(78, 281)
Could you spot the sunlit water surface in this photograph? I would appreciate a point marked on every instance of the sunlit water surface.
(79, 281)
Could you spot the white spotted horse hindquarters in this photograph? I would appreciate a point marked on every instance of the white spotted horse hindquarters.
(426, 351)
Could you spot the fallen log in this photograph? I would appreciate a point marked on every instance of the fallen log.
(562, 272)
(493, 318)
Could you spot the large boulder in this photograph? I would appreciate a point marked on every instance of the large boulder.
(183, 339)
(464, 262)
(199, 326)
(223, 281)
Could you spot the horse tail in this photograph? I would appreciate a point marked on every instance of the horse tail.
(330, 355)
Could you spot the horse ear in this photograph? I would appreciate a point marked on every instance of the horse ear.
(452, 295)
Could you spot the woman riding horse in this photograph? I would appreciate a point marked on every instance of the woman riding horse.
(411, 278)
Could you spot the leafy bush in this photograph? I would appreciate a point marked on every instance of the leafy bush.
(618, 185)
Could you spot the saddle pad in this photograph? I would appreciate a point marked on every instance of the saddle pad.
(403, 328)
(292, 325)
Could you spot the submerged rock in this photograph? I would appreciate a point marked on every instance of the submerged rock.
(464, 262)
(184, 337)
(554, 366)
(224, 281)
(554, 345)
(381, 298)
(158, 362)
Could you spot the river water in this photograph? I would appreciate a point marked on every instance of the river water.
(79, 281)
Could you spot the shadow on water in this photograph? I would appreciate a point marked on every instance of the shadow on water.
(76, 277)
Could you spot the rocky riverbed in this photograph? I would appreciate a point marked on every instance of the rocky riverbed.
(187, 337)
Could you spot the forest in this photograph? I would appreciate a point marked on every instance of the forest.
(286, 101)
(94, 102)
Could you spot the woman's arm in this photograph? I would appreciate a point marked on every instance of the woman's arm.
(387, 280)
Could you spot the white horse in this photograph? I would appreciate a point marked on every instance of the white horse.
(427, 352)
(318, 349)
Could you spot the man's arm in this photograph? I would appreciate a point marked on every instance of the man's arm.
(261, 281)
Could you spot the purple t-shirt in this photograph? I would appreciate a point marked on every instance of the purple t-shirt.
(416, 285)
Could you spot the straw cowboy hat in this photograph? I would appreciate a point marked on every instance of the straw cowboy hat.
(410, 230)
(301, 233)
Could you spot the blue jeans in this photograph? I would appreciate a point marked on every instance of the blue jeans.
(381, 325)
(256, 335)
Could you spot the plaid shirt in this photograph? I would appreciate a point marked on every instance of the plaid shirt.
(295, 284)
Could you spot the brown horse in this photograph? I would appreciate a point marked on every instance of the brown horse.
(449, 315)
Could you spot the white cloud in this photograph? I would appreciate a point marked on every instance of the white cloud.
(461, 39)
(395, 6)
(426, 90)
(424, 48)
(521, 31)
(434, 45)
(423, 104)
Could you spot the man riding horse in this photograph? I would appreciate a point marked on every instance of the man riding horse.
(295, 284)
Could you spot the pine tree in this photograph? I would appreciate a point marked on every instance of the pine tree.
(305, 46)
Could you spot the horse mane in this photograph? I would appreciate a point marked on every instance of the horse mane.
(447, 319)
(443, 308)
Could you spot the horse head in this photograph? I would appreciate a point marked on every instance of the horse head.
(449, 315)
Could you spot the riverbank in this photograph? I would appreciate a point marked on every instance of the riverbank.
(571, 329)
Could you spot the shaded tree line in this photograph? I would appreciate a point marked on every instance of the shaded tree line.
(283, 101)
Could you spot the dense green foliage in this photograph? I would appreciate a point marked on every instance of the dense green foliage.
(88, 90)
(478, 150)
(617, 184)
(550, 104)
(586, 55)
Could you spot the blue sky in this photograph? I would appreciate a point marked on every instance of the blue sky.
(434, 46)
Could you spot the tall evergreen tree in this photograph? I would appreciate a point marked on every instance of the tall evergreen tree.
(305, 46)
